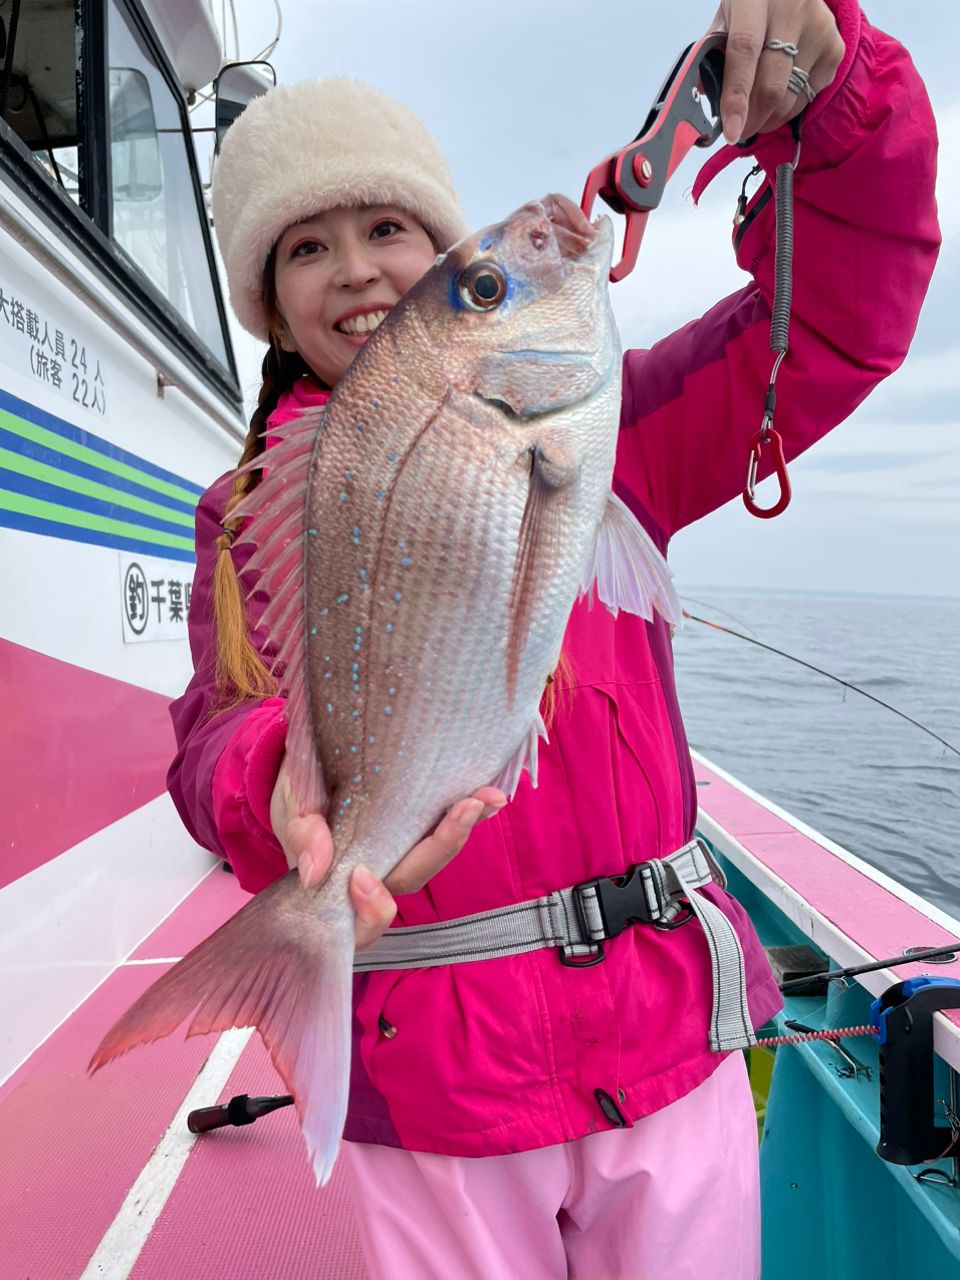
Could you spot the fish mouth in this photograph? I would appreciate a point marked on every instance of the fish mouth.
(573, 231)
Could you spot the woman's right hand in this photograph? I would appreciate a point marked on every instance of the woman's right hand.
(308, 845)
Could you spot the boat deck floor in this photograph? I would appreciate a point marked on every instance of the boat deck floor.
(100, 1178)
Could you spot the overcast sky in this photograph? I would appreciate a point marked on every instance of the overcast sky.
(525, 97)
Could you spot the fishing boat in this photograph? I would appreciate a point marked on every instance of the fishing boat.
(119, 402)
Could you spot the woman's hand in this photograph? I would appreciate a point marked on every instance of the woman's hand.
(308, 845)
(756, 98)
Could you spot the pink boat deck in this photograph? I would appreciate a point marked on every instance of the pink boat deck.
(244, 1206)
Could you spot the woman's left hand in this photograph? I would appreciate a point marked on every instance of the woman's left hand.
(756, 97)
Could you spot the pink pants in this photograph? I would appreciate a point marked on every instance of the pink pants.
(676, 1195)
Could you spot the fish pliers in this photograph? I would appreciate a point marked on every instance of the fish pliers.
(632, 180)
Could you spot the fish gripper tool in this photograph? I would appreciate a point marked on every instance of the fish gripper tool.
(632, 180)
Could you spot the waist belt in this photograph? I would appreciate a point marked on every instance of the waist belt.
(577, 921)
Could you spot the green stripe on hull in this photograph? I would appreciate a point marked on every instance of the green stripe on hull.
(91, 488)
(70, 517)
(50, 440)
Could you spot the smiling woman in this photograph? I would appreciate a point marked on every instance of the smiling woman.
(337, 275)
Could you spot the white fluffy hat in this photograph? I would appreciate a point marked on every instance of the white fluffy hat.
(311, 146)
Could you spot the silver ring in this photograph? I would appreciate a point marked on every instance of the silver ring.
(799, 82)
(782, 46)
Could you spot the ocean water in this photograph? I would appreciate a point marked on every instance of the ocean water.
(849, 768)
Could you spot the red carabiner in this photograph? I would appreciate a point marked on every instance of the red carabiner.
(767, 435)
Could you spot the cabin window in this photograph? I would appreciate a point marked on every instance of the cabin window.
(38, 84)
(95, 132)
(156, 217)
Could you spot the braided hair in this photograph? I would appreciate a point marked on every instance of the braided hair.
(240, 669)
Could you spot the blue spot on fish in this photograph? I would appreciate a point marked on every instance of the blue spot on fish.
(313, 631)
(312, 533)
(405, 562)
(371, 740)
(353, 751)
(375, 403)
(360, 426)
(355, 714)
(398, 596)
(376, 768)
(381, 493)
(329, 706)
(388, 627)
(391, 456)
(363, 575)
(388, 711)
(395, 378)
(343, 497)
(342, 599)
(348, 475)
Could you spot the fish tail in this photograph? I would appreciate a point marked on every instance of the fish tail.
(280, 965)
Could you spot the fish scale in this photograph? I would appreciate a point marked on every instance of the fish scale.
(422, 543)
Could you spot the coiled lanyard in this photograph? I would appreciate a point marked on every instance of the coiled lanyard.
(631, 181)
(779, 335)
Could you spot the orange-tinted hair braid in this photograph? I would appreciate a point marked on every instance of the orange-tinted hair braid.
(240, 670)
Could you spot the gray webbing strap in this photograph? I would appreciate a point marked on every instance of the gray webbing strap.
(555, 921)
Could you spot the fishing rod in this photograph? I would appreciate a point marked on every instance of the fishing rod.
(847, 684)
(941, 954)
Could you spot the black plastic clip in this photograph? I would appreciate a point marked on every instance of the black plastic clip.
(622, 900)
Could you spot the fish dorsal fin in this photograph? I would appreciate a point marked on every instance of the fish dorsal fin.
(627, 570)
(275, 510)
(525, 757)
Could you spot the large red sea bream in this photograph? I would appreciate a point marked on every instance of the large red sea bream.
(422, 540)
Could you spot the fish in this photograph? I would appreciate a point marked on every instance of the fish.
(422, 541)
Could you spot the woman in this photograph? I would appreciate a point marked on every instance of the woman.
(515, 1116)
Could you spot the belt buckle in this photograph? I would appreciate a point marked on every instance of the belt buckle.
(622, 899)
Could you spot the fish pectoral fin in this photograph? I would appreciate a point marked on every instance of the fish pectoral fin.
(533, 382)
(553, 469)
(525, 757)
(627, 570)
(280, 966)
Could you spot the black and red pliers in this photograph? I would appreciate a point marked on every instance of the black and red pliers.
(631, 181)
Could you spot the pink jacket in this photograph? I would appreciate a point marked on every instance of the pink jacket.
(506, 1054)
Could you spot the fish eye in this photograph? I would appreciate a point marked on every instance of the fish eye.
(482, 286)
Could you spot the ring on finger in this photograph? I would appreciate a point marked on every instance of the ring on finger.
(799, 82)
(782, 46)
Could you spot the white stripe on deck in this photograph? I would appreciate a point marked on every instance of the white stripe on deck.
(117, 1253)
